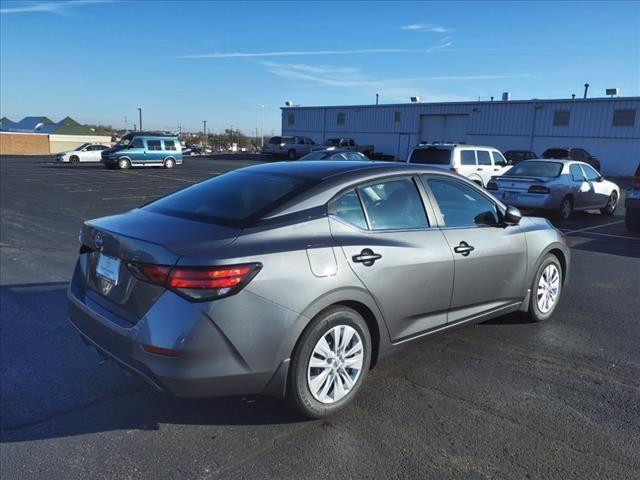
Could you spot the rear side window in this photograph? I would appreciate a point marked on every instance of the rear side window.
(233, 199)
(467, 157)
(576, 173)
(275, 140)
(556, 153)
(483, 157)
(348, 208)
(154, 145)
(169, 145)
(393, 205)
(431, 156)
(461, 205)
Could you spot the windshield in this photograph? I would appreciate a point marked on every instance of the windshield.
(123, 142)
(231, 199)
(81, 147)
(315, 156)
(535, 169)
(556, 153)
(431, 156)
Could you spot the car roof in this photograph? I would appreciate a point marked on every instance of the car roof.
(453, 145)
(316, 170)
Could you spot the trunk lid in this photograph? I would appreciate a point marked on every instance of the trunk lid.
(518, 184)
(144, 237)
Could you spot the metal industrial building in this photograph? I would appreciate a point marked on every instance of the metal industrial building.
(608, 128)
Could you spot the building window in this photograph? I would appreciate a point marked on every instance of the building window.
(397, 117)
(291, 119)
(341, 119)
(561, 118)
(624, 117)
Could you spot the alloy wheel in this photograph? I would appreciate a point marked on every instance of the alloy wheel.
(566, 209)
(548, 288)
(335, 364)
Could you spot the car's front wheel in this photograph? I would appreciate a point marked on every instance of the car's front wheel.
(546, 289)
(329, 363)
(123, 164)
(611, 205)
(74, 159)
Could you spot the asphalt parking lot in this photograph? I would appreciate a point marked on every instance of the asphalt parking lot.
(503, 399)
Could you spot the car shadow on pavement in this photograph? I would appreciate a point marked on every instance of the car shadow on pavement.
(53, 385)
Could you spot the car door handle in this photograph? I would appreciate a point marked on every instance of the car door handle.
(464, 249)
(367, 257)
(480, 169)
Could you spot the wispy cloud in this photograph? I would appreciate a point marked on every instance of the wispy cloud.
(298, 53)
(426, 27)
(353, 78)
(51, 7)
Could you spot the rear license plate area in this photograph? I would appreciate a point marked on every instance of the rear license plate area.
(108, 268)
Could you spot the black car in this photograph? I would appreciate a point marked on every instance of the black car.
(632, 204)
(516, 156)
(572, 153)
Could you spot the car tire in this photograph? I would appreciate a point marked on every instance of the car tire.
(291, 154)
(546, 289)
(321, 391)
(566, 208)
(74, 159)
(612, 204)
(169, 163)
(123, 163)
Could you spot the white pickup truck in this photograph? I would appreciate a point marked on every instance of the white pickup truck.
(346, 144)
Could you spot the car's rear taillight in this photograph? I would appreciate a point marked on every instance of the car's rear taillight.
(198, 283)
(538, 189)
(492, 186)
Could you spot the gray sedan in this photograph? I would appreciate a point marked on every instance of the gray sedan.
(294, 279)
(561, 186)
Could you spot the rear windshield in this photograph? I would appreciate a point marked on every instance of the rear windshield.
(535, 169)
(233, 199)
(556, 153)
(431, 156)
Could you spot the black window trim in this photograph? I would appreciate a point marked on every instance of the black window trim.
(500, 207)
(414, 177)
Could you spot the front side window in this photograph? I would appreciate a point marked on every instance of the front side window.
(154, 145)
(169, 145)
(498, 159)
(393, 205)
(348, 208)
(590, 174)
(137, 143)
(576, 173)
(468, 157)
(461, 205)
(483, 157)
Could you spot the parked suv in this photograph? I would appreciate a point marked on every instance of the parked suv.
(478, 164)
(571, 153)
(292, 147)
(139, 149)
(632, 203)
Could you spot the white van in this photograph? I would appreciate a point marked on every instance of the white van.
(478, 164)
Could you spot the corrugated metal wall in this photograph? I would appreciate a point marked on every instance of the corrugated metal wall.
(514, 124)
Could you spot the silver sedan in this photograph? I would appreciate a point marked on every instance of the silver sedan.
(561, 186)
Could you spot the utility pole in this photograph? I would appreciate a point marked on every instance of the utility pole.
(140, 118)
(262, 128)
(204, 129)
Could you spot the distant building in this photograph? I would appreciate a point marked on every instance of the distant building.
(25, 137)
(608, 128)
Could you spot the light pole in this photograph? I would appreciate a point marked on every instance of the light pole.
(262, 127)
(204, 129)
(140, 118)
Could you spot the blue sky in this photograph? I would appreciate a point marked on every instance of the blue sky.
(184, 62)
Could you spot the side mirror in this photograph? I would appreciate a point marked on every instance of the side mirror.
(512, 216)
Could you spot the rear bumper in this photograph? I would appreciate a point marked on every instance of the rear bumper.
(218, 353)
(534, 201)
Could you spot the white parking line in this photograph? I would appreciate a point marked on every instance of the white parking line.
(569, 232)
(612, 235)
